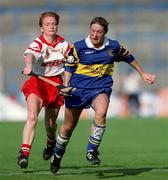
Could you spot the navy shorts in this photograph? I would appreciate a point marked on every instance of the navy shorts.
(83, 98)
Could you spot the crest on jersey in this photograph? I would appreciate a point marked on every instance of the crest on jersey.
(47, 54)
(110, 52)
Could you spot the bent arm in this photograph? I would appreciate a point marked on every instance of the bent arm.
(67, 77)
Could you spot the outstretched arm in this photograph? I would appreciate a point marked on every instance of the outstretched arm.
(28, 64)
(147, 77)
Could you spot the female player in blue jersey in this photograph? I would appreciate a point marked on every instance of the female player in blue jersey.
(89, 69)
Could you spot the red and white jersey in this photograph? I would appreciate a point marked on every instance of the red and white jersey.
(48, 58)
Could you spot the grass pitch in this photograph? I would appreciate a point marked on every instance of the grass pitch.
(132, 149)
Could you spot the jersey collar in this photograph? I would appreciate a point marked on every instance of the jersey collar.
(90, 45)
(58, 39)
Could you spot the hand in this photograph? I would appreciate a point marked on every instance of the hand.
(27, 71)
(64, 94)
(70, 59)
(149, 78)
(66, 90)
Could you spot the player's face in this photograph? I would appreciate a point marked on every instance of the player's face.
(97, 35)
(49, 26)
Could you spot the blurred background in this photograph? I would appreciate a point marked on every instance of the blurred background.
(139, 25)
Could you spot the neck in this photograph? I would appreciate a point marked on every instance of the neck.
(98, 45)
(50, 39)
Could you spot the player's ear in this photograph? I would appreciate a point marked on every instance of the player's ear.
(41, 29)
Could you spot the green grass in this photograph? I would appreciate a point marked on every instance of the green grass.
(131, 149)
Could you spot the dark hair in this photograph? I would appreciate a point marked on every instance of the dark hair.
(101, 21)
(46, 14)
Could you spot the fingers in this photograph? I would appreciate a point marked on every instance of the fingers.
(64, 94)
(28, 73)
(66, 91)
(70, 59)
(151, 79)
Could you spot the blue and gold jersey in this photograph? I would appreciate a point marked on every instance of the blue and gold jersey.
(93, 67)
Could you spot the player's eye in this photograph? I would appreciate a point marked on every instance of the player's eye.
(46, 24)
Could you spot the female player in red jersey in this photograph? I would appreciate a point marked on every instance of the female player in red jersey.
(45, 57)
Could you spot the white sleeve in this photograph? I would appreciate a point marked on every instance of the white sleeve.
(66, 48)
(34, 48)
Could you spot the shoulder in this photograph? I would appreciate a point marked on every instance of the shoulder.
(36, 41)
(114, 42)
(114, 45)
(61, 41)
(80, 44)
(60, 38)
(36, 44)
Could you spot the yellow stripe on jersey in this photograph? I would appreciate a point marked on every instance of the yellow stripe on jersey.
(76, 55)
(72, 53)
(95, 70)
